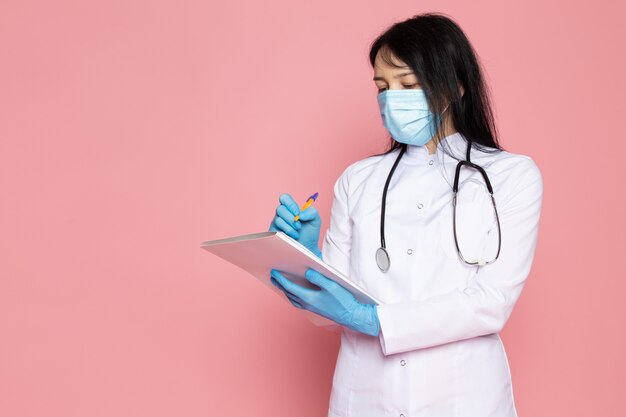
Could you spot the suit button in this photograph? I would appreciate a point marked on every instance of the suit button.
(409, 251)
(431, 162)
(420, 205)
(402, 362)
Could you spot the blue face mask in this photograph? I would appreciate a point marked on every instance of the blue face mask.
(406, 116)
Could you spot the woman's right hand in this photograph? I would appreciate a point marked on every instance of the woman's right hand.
(306, 230)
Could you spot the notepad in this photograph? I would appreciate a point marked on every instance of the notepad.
(258, 253)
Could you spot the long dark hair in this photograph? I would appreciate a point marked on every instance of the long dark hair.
(442, 58)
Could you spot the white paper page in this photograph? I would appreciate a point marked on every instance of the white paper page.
(258, 253)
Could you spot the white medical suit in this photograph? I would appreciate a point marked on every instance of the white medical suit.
(439, 353)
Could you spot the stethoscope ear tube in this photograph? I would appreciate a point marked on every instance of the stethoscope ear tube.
(455, 189)
(479, 262)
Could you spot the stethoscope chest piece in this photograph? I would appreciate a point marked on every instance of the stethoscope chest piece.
(382, 259)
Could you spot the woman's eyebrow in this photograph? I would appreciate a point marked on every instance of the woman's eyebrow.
(395, 76)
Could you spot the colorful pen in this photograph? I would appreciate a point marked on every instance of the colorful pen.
(306, 205)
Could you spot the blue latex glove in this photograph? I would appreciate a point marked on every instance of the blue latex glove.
(306, 230)
(331, 301)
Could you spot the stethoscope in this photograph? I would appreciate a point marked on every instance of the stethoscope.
(382, 256)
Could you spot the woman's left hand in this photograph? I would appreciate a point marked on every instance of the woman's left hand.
(331, 301)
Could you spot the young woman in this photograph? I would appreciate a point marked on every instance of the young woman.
(447, 247)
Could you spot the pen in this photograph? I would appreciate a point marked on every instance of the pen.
(306, 205)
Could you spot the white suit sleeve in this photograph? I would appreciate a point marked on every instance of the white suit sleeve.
(484, 306)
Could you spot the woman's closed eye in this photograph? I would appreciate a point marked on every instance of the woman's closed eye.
(405, 86)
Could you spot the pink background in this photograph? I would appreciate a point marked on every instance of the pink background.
(132, 131)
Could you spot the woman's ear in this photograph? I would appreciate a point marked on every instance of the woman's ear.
(462, 90)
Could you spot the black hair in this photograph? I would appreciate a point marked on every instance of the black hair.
(442, 58)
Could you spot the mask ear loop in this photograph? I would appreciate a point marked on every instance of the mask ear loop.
(441, 159)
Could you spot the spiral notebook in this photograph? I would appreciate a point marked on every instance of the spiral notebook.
(258, 253)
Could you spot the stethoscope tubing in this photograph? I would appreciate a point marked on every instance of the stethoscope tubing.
(383, 259)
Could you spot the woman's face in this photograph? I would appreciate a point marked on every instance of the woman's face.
(388, 77)
(402, 77)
